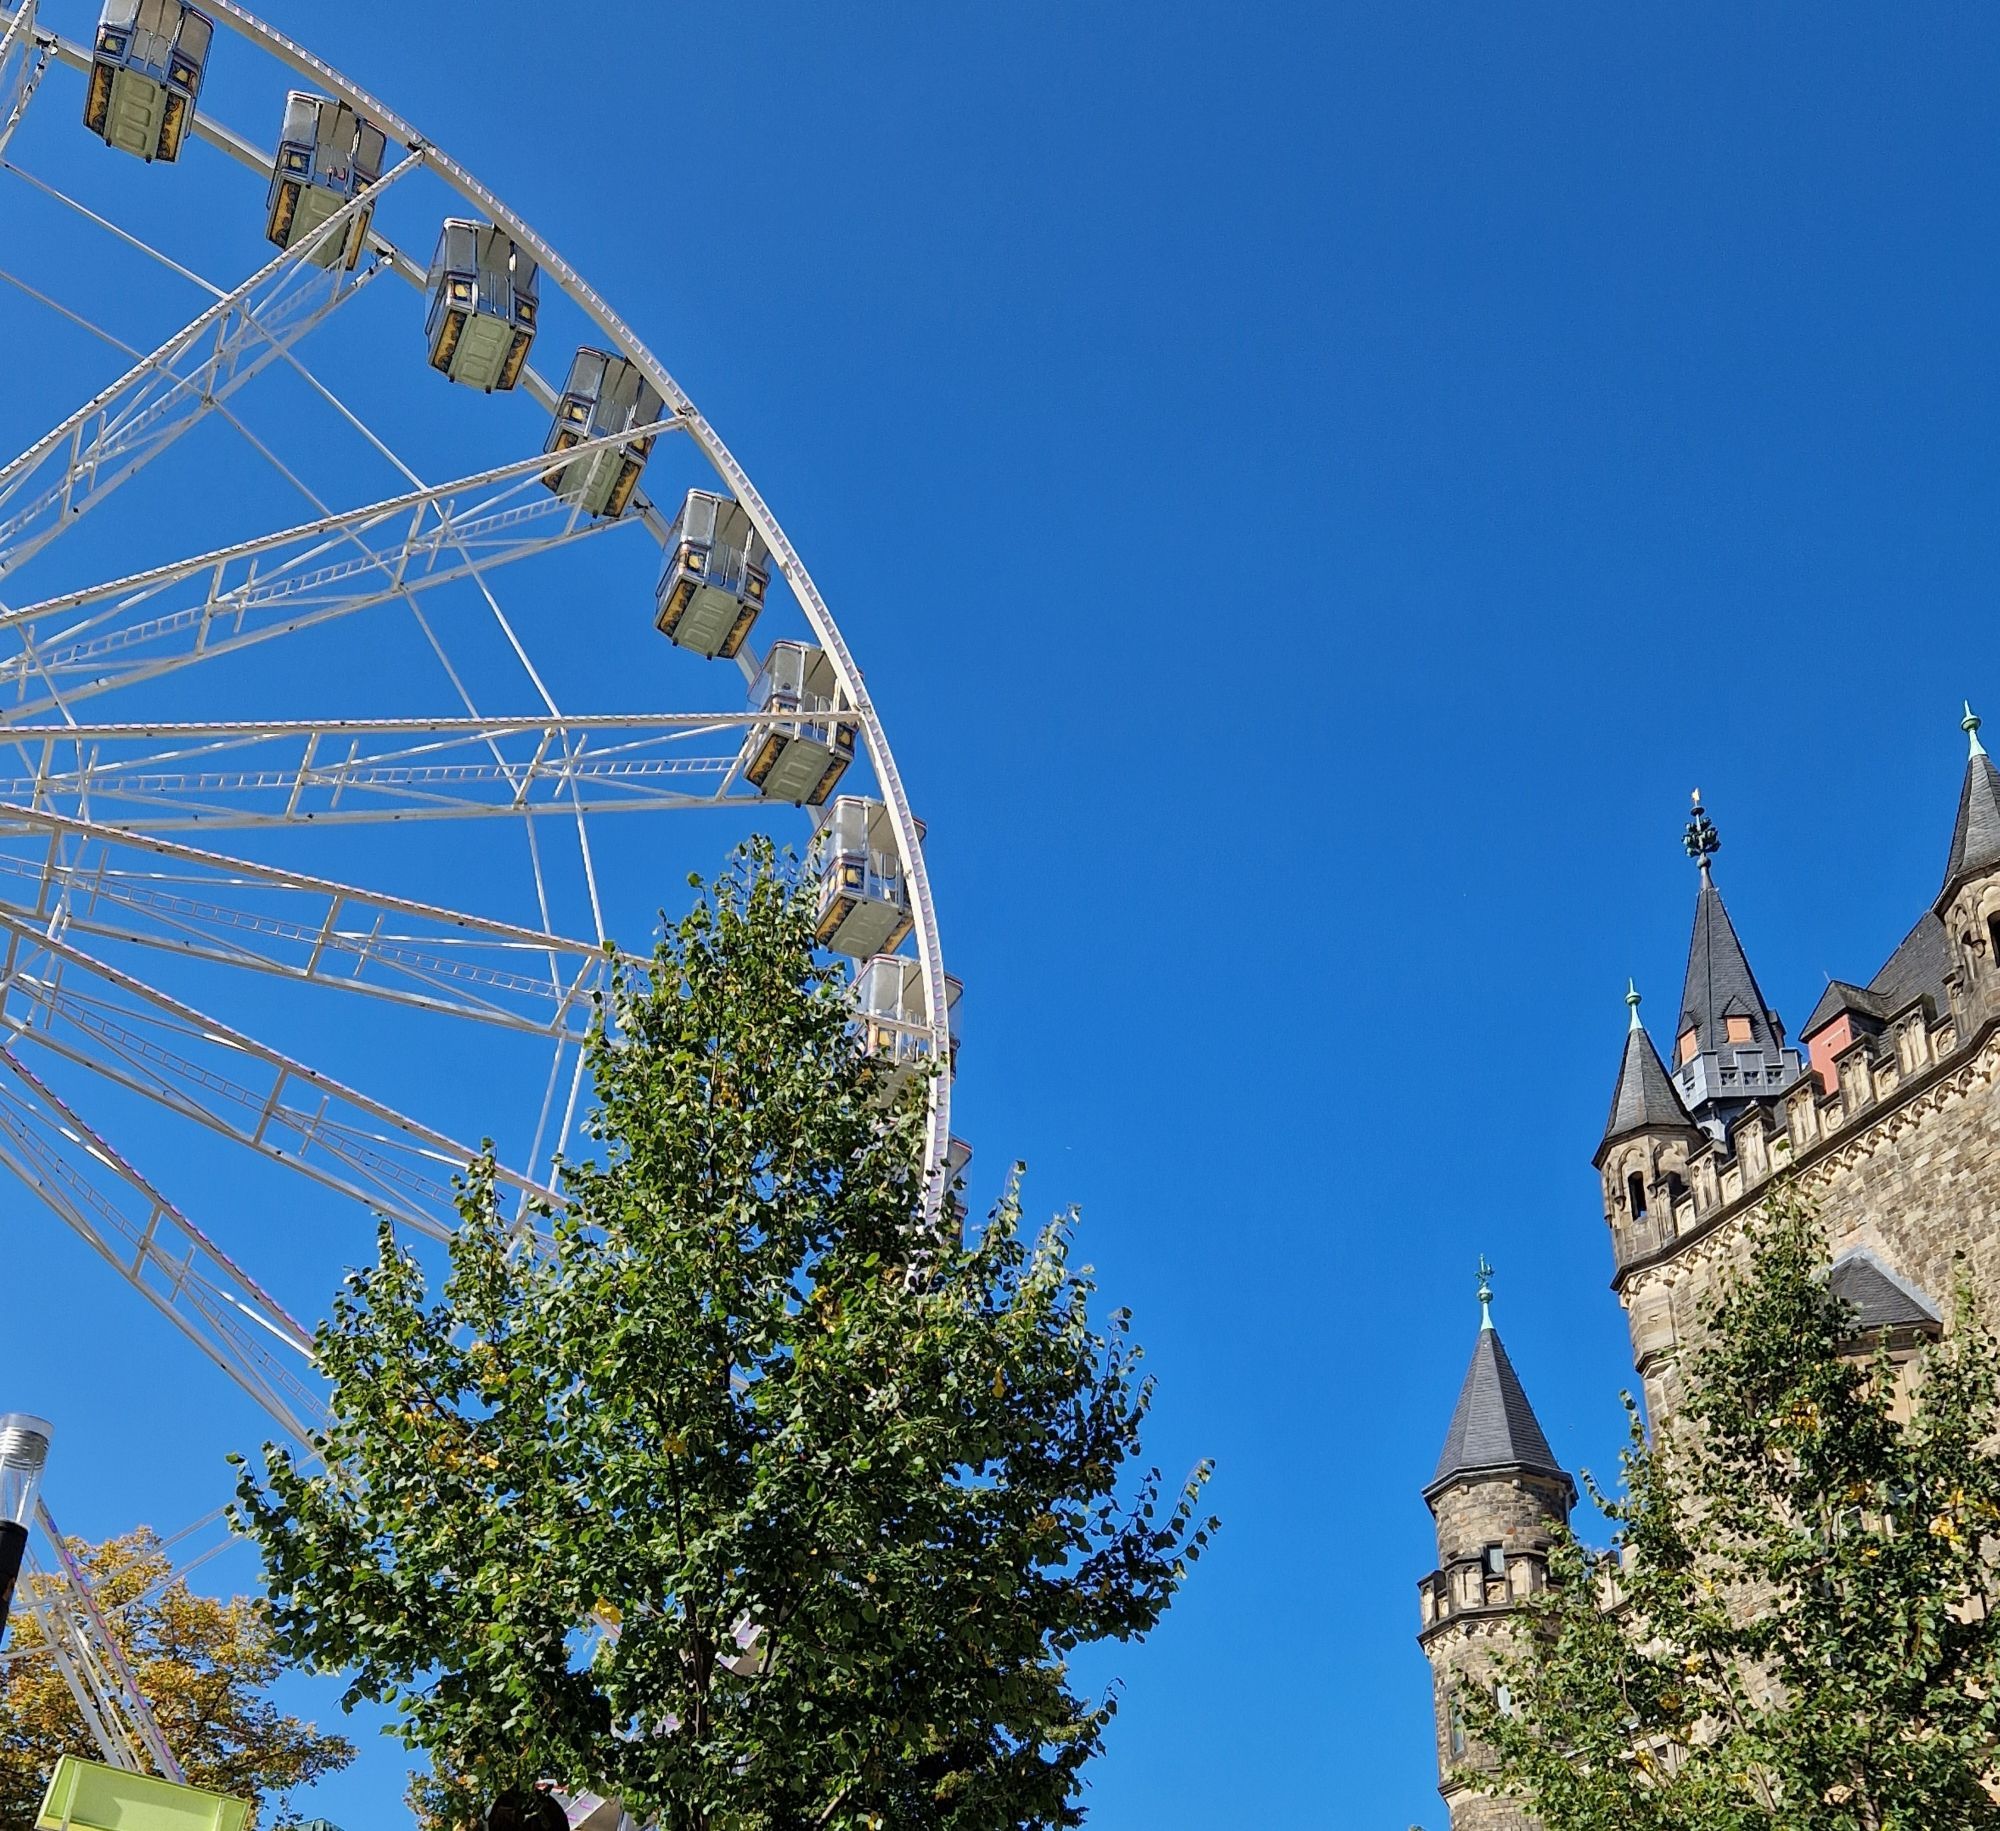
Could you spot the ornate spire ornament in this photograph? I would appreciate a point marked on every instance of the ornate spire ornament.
(1701, 840)
(1632, 998)
(1969, 724)
(1485, 1293)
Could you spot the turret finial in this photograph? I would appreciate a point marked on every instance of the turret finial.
(1969, 724)
(1632, 999)
(1701, 839)
(1485, 1293)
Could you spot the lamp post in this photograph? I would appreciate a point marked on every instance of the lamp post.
(24, 1448)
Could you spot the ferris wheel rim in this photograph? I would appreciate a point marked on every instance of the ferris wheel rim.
(685, 416)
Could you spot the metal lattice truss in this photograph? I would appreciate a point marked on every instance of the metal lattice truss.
(23, 59)
(74, 466)
(60, 1601)
(126, 631)
(262, 773)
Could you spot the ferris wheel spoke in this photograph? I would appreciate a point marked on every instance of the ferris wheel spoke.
(105, 637)
(92, 881)
(134, 1035)
(73, 467)
(153, 1246)
(166, 778)
(23, 59)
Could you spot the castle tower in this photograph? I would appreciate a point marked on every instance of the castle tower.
(1497, 1497)
(1643, 1157)
(1969, 903)
(1729, 1046)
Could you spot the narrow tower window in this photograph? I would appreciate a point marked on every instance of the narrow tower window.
(1993, 934)
(1495, 1558)
(1635, 1195)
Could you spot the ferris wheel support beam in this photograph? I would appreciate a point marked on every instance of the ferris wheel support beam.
(165, 778)
(120, 640)
(903, 822)
(123, 428)
(97, 881)
(153, 1246)
(24, 55)
(294, 1115)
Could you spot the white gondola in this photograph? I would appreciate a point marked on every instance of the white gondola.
(484, 298)
(803, 751)
(894, 1016)
(604, 395)
(716, 573)
(145, 75)
(326, 157)
(864, 902)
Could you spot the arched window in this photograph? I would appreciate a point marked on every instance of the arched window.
(1635, 1195)
(1993, 934)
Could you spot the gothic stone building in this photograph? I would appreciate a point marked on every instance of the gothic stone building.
(1886, 1111)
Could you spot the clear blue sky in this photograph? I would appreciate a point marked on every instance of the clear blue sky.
(1312, 488)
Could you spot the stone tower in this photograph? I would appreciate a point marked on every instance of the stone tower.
(1496, 1497)
(1886, 1117)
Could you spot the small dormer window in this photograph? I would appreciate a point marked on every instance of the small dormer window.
(1690, 1043)
(1739, 1029)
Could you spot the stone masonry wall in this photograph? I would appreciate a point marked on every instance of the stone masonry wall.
(1917, 1181)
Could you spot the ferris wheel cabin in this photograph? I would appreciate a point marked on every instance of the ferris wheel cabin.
(804, 750)
(895, 1016)
(483, 301)
(145, 74)
(864, 898)
(327, 156)
(716, 573)
(605, 395)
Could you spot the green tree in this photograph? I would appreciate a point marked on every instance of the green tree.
(202, 1665)
(1795, 1626)
(744, 1494)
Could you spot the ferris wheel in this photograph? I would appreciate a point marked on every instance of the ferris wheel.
(382, 631)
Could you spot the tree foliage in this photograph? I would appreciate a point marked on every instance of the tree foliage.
(1800, 1630)
(201, 1664)
(744, 1494)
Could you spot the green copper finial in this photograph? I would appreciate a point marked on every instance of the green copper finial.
(1969, 724)
(1701, 839)
(1485, 1293)
(1632, 999)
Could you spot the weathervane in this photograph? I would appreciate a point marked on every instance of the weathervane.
(1485, 1293)
(1702, 840)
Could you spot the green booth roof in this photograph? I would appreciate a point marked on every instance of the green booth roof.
(84, 1796)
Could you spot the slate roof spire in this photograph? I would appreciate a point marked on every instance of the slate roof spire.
(1719, 982)
(1494, 1430)
(1645, 1097)
(1975, 840)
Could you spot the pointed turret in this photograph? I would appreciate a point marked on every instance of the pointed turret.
(1494, 1430)
(1645, 1098)
(1647, 1142)
(1975, 840)
(1498, 1497)
(1729, 1048)
(1968, 904)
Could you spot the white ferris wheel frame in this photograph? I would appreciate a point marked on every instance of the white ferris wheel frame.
(22, 35)
(484, 970)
